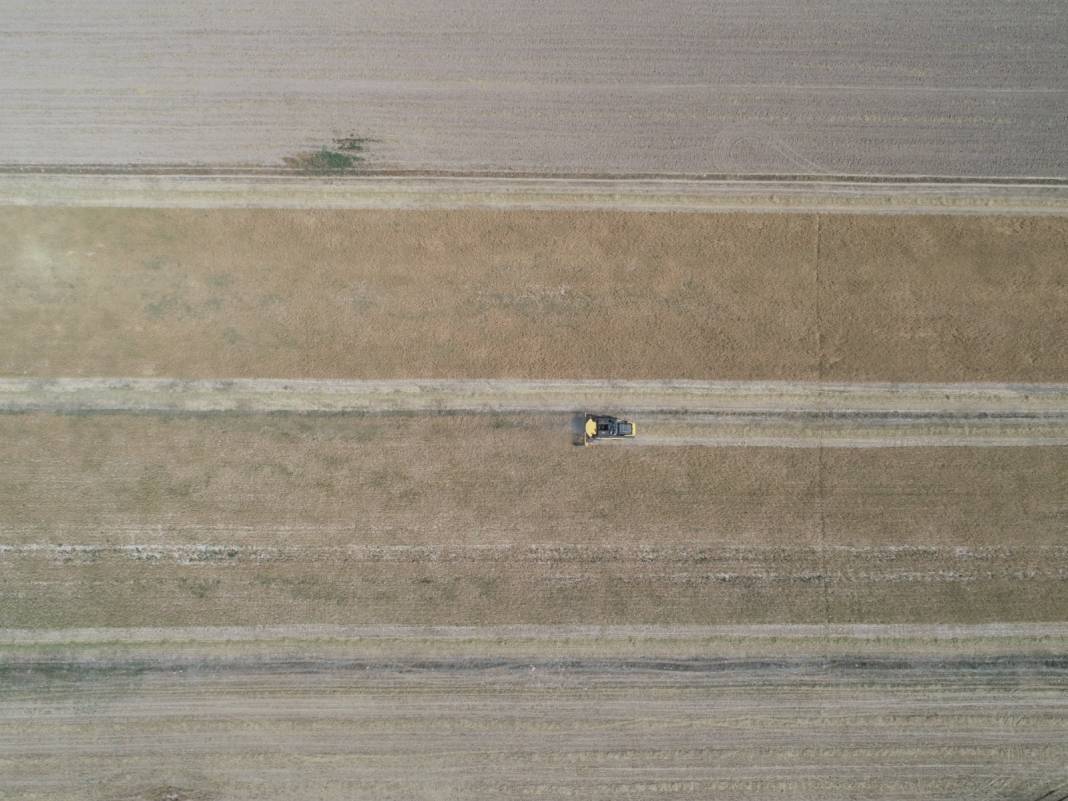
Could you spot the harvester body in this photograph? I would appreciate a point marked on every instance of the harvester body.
(604, 426)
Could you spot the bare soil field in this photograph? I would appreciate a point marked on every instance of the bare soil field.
(951, 88)
(330, 714)
(401, 294)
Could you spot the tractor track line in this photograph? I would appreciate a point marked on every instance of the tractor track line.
(695, 413)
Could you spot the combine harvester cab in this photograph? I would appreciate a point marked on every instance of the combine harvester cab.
(603, 426)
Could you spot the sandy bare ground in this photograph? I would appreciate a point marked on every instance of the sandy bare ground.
(319, 713)
(354, 294)
(902, 88)
(826, 195)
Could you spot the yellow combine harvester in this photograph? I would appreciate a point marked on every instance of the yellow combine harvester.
(603, 426)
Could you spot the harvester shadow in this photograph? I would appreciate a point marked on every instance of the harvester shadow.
(578, 429)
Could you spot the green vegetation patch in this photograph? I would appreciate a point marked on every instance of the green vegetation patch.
(343, 156)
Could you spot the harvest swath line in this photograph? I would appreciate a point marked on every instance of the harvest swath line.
(731, 413)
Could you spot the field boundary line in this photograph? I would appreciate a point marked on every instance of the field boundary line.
(797, 194)
(800, 631)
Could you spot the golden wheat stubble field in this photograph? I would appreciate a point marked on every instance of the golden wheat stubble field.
(252, 518)
(147, 520)
(400, 294)
(121, 520)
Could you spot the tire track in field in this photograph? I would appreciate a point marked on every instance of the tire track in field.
(683, 413)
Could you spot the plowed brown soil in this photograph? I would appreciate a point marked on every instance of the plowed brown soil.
(329, 714)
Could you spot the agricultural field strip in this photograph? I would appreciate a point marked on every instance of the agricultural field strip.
(846, 650)
(873, 561)
(774, 414)
(800, 194)
(869, 635)
(695, 659)
(593, 728)
(834, 428)
(505, 395)
(766, 87)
